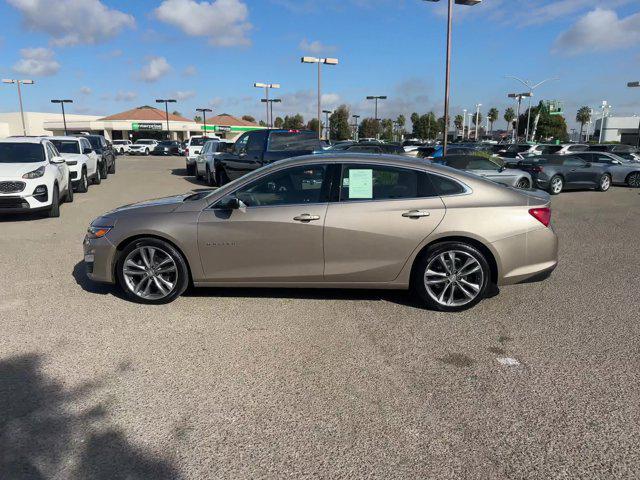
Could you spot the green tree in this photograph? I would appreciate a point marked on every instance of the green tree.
(197, 119)
(415, 118)
(493, 116)
(248, 118)
(262, 123)
(583, 116)
(477, 118)
(369, 128)
(387, 130)
(509, 116)
(401, 121)
(278, 122)
(313, 124)
(293, 122)
(176, 112)
(339, 128)
(458, 121)
(550, 127)
(440, 126)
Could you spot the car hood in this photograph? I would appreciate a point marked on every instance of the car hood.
(165, 204)
(143, 145)
(16, 170)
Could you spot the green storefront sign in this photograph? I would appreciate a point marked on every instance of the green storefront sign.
(226, 128)
(137, 127)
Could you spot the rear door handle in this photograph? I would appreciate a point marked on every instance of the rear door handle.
(305, 217)
(416, 214)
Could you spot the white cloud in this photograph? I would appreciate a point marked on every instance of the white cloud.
(73, 22)
(223, 22)
(599, 30)
(39, 62)
(125, 96)
(181, 95)
(316, 47)
(156, 68)
(190, 71)
(85, 91)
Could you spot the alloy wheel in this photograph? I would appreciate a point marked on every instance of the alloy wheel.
(150, 272)
(453, 278)
(634, 180)
(556, 185)
(523, 183)
(605, 183)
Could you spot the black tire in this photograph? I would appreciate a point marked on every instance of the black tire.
(198, 176)
(210, 178)
(605, 183)
(633, 180)
(112, 168)
(97, 179)
(182, 271)
(221, 177)
(555, 179)
(69, 197)
(191, 169)
(83, 185)
(54, 210)
(104, 173)
(462, 253)
(146, 152)
(523, 183)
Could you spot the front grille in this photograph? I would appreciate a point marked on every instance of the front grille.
(13, 202)
(73, 175)
(11, 187)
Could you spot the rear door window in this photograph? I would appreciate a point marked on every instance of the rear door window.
(293, 140)
(381, 182)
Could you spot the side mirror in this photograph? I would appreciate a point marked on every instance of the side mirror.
(87, 151)
(587, 165)
(231, 203)
(57, 160)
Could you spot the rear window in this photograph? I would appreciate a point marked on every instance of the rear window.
(293, 141)
(549, 148)
(446, 186)
(67, 146)
(197, 141)
(21, 153)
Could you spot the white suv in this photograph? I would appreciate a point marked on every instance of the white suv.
(122, 146)
(143, 146)
(81, 160)
(33, 176)
(194, 147)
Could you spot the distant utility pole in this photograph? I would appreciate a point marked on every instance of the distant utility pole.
(64, 117)
(18, 83)
(204, 111)
(376, 98)
(355, 125)
(519, 97)
(531, 87)
(635, 85)
(166, 102)
(478, 105)
(319, 61)
(326, 124)
(266, 87)
(270, 102)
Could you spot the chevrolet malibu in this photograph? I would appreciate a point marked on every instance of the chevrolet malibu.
(338, 221)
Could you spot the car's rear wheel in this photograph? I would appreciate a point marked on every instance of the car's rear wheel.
(152, 271)
(190, 169)
(633, 180)
(112, 168)
(83, 185)
(556, 184)
(221, 177)
(69, 197)
(605, 183)
(54, 210)
(104, 172)
(211, 178)
(452, 276)
(97, 179)
(146, 151)
(523, 183)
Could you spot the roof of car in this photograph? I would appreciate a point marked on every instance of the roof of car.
(63, 137)
(22, 140)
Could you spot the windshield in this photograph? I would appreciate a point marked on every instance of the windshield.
(292, 141)
(197, 141)
(95, 142)
(66, 146)
(166, 143)
(144, 142)
(120, 142)
(21, 153)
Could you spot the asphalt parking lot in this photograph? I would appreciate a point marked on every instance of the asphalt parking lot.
(273, 383)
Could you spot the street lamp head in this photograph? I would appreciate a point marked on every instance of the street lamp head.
(8, 80)
(260, 85)
(276, 100)
(327, 111)
(461, 2)
(274, 85)
(203, 110)
(309, 60)
(633, 84)
(28, 82)
(330, 61)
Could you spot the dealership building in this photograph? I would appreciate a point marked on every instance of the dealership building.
(618, 129)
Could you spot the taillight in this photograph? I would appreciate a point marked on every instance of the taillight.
(543, 215)
(537, 169)
(187, 152)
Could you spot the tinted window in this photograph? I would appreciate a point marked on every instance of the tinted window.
(549, 149)
(21, 153)
(379, 182)
(573, 162)
(287, 187)
(197, 141)
(602, 159)
(478, 163)
(446, 186)
(256, 141)
(167, 143)
(241, 143)
(95, 142)
(577, 148)
(459, 162)
(364, 149)
(292, 141)
(145, 142)
(66, 146)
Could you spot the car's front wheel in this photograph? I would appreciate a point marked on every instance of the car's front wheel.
(112, 168)
(54, 210)
(633, 180)
(452, 276)
(83, 185)
(211, 177)
(104, 171)
(523, 183)
(69, 197)
(605, 183)
(152, 271)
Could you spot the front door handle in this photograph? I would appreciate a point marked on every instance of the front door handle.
(305, 217)
(416, 214)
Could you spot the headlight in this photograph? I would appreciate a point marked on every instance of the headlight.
(37, 173)
(97, 232)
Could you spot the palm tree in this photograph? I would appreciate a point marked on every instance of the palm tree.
(509, 116)
(457, 121)
(583, 116)
(493, 116)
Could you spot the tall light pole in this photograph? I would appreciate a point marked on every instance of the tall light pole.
(448, 63)
(166, 102)
(355, 132)
(635, 85)
(204, 111)
(478, 105)
(326, 123)
(605, 111)
(270, 102)
(266, 87)
(18, 83)
(64, 117)
(464, 121)
(531, 86)
(319, 61)
(519, 97)
(376, 98)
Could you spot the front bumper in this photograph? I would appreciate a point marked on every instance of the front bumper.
(25, 200)
(99, 256)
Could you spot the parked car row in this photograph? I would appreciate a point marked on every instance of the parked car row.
(37, 174)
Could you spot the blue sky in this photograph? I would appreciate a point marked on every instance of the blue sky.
(112, 55)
